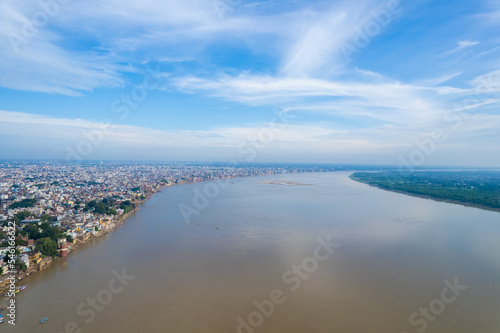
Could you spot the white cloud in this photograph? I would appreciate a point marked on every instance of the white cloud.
(35, 62)
(305, 38)
(275, 135)
(461, 46)
(325, 40)
(379, 98)
(325, 142)
(487, 84)
(40, 56)
(147, 137)
(492, 14)
(438, 80)
(490, 50)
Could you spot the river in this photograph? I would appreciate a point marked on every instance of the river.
(330, 256)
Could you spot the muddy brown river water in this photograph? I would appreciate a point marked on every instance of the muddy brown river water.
(258, 256)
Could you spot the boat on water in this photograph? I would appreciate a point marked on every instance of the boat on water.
(22, 287)
(43, 320)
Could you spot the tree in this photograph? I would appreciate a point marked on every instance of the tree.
(100, 208)
(46, 218)
(125, 203)
(32, 231)
(96, 228)
(8, 256)
(47, 246)
(53, 233)
(25, 203)
(21, 216)
(128, 209)
(20, 265)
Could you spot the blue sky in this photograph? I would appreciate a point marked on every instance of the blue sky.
(281, 81)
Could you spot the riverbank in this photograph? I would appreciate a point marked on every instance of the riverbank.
(47, 261)
(79, 243)
(430, 197)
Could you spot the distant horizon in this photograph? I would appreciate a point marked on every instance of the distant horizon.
(256, 163)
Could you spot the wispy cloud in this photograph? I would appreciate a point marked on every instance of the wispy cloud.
(26, 124)
(464, 44)
(304, 39)
(438, 80)
(38, 63)
(379, 97)
(298, 137)
(323, 43)
(301, 141)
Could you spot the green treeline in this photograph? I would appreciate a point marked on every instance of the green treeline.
(23, 204)
(108, 206)
(480, 188)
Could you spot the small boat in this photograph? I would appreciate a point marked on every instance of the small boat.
(22, 287)
(43, 320)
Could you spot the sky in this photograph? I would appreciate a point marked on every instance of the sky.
(412, 83)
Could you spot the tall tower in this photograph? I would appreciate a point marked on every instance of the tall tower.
(64, 248)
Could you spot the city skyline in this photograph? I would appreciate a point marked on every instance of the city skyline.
(371, 82)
